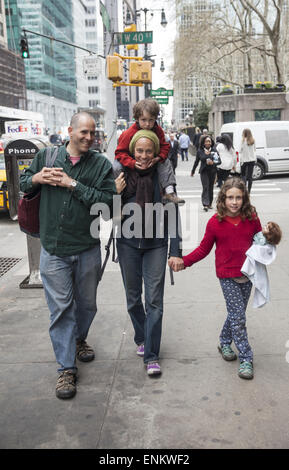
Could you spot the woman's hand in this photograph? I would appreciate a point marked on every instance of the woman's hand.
(176, 264)
(120, 183)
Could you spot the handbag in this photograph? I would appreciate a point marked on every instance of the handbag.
(29, 204)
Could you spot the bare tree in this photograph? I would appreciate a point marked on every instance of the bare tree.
(273, 32)
(232, 39)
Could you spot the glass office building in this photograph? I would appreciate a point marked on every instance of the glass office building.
(50, 70)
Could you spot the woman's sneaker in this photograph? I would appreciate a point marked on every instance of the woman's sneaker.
(140, 350)
(227, 352)
(246, 370)
(153, 368)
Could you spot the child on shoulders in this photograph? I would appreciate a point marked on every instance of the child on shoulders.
(145, 114)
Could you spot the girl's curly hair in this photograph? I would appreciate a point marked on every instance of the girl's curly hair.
(247, 210)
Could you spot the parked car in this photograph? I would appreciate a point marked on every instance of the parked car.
(100, 141)
(272, 144)
(55, 139)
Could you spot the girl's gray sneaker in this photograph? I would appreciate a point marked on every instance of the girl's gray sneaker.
(246, 370)
(227, 352)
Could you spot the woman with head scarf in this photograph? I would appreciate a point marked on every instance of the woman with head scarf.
(143, 246)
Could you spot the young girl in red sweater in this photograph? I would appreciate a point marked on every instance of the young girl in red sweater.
(232, 229)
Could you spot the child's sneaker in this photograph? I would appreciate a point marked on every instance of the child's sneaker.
(172, 197)
(140, 350)
(153, 368)
(246, 370)
(227, 352)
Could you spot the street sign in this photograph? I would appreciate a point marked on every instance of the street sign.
(91, 66)
(162, 100)
(134, 37)
(162, 92)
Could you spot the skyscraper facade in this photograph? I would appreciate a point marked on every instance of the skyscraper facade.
(50, 69)
(12, 73)
(192, 89)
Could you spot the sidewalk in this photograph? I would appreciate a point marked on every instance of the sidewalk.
(198, 402)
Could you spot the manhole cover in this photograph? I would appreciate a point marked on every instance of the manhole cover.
(6, 264)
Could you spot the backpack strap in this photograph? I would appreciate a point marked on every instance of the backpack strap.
(107, 248)
(51, 157)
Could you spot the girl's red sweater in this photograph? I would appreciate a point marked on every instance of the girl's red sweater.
(232, 242)
(122, 150)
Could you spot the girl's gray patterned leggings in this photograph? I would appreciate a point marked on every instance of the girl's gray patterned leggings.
(236, 296)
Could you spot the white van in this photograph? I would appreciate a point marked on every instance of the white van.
(272, 144)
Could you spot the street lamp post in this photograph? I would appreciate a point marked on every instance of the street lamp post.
(163, 23)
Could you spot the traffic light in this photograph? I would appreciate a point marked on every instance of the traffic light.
(114, 68)
(129, 29)
(24, 48)
(140, 71)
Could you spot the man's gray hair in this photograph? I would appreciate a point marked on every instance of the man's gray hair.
(74, 122)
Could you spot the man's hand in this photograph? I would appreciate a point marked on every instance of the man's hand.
(47, 176)
(176, 264)
(53, 177)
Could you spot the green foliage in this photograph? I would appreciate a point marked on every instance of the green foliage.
(201, 114)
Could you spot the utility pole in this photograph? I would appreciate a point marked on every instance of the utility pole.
(111, 106)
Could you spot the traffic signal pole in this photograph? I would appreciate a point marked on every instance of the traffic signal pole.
(60, 40)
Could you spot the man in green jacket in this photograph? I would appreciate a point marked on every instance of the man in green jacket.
(70, 259)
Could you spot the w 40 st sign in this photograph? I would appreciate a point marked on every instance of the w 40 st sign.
(134, 37)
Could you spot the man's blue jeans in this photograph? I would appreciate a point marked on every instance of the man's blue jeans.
(70, 285)
(148, 266)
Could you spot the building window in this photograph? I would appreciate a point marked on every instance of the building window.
(229, 116)
(93, 103)
(92, 89)
(90, 23)
(277, 138)
(1, 28)
(268, 115)
(90, 35)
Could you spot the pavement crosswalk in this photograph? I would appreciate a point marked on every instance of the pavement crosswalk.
(258, 189)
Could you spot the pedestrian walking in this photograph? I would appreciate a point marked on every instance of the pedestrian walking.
(70, 259)
(228, 158)
(173, 152)
(204, 134)
(232, 229)
(143, 257)
(184, 143)
(145, 113)
(209, 159)
(247, 157)
(196, 138)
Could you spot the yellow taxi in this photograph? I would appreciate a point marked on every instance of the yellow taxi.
(4, 203)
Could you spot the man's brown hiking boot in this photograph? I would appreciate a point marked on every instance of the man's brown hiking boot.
(66, 384)
(84, 353)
